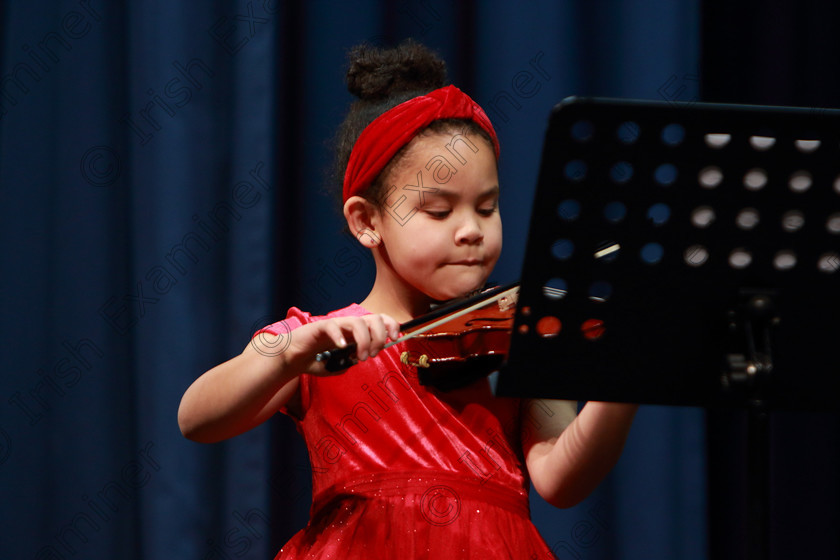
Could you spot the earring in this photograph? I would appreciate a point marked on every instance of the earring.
(368, 238)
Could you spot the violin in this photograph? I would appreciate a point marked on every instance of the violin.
(454, 344)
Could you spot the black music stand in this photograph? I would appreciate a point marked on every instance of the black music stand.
(684, 255)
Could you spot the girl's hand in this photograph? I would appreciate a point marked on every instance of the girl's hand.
(370, 333)
(246, 390)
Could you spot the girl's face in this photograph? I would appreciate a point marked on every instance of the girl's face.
(441, 233)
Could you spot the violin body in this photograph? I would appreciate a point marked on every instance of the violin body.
(465, 348)
(453, 345)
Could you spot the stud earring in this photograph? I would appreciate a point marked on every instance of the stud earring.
(368, 238)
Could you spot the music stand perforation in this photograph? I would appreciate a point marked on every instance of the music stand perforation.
(702, 324)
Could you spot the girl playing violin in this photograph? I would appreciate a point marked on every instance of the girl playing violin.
(402, 470)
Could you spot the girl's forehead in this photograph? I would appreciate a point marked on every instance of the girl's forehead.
(454, 146)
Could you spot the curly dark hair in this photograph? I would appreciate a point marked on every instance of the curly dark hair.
(382, 78)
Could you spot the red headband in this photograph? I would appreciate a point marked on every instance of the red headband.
(396, 127)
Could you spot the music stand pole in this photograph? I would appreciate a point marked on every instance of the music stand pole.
(655, 226)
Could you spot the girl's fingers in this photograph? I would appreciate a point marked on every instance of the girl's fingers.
(392, 326)
(361, 336)
(370, 333)
(378, 334)
(333, 331)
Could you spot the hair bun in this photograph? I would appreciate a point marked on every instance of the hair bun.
(378, 73)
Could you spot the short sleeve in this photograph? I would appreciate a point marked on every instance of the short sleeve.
(295, 318)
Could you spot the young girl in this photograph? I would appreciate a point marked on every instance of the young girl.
(402, 470)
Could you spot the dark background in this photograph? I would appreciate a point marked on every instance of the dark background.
(162, 168)
(774, 53)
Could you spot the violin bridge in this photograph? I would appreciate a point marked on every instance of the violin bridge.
(506, 303)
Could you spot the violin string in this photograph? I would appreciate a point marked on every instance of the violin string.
(433, 324)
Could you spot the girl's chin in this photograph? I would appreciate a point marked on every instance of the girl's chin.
(456, 290)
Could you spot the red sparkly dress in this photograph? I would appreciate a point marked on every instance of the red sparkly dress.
(400, 470)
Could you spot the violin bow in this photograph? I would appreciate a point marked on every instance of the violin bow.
(338, 359)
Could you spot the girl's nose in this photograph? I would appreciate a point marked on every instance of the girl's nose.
(469, 231)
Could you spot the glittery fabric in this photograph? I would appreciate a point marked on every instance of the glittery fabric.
(400, 470)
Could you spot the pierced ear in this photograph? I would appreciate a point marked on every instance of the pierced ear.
(360, 216)
(368, 238)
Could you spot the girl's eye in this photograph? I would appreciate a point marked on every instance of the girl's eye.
(439, 214)
(488, 210)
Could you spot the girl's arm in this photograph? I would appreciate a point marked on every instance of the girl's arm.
(568, 456)
(245, 391)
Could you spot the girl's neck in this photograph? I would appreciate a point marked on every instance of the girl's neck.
(400, 301)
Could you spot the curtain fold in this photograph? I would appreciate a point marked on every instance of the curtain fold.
(162, 177)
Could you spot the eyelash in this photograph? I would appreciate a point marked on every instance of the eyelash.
(440, 215)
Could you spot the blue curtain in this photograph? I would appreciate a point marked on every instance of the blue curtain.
(161, 176)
